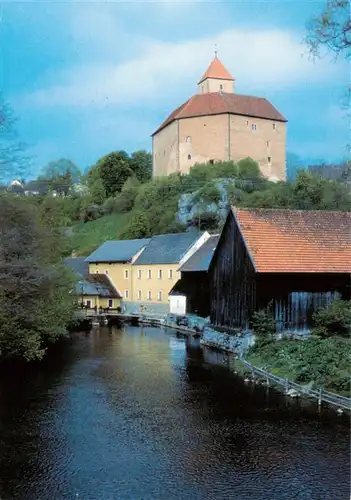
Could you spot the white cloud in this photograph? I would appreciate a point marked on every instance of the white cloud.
(258, 60)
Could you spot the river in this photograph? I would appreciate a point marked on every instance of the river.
(141, 413)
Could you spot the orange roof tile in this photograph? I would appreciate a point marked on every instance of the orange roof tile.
(296, 241)
(215, 103)
(216, 70)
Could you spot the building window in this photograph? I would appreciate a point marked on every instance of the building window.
(221, 87)
(139, 294)
(88, 304)
(139, 274)
(159, 295)
(269, 159)
(170, 274)
(274, 127)
(149, 274)
(160, 274)
(126, 274)
(211, 162)
(247, 123)
(106, 271)
(188, 139)
(126, 294)
(149, 296)
(268, 144)
(253, 127)
(189, 157)
(97, 271)
(110, 302)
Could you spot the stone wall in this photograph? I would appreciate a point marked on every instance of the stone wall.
(237, 344)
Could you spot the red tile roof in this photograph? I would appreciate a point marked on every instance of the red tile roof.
(296, 241)
(216, 70)
(215, 103)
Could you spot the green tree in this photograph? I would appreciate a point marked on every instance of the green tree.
(333, 320)
(124, 201)
(141, 164)
(113, 170)
(138, 227)
(37, 299)
(97, 192)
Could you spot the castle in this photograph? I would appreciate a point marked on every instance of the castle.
(218, 124)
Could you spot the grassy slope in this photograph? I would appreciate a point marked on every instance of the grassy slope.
(87, 237)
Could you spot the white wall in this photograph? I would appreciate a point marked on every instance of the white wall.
(177, 304)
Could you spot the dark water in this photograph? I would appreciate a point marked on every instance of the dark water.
(142, 414)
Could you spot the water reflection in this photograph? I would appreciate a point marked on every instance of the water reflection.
(144, 413)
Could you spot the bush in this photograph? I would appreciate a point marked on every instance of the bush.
(333, 320)
(208, 194)
(206, 221)
(138, 227)
(263, 325)
(92, 212)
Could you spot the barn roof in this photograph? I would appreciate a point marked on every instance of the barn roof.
(296, 241)
(117, 251)
(167, 248)
(200, 260)
(78, 265)
(216, 103)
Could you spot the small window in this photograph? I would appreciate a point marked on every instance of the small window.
(139, 274)
(126, 294)
(110, 303)
(247, 123)
(221, 87)
(149, 274)
(149, 296)
(269, 159)
(188, 139)
(106, 271)
(159, 295)
(274, 126)
(160, 274)
(268, 143)
(211, 162)
(170, 274)
(88, 304)
(189, 157)
(126, 274)
(139, 294)
(97, 271)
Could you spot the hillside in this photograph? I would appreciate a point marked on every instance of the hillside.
(87, 236)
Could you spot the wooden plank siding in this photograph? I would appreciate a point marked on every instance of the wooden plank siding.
(232, 278)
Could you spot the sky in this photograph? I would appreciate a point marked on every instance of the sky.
(88, 78)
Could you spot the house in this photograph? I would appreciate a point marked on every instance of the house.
(297, 260)
(144, 270)
(217, 124)
(93, 291)
(191, 293)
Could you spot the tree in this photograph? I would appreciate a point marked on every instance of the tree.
(60, 175)
(13, 162)
(141, 164)
(113, 170)
(97, 192)
(331, 29)
(138, 227)
(37, 299)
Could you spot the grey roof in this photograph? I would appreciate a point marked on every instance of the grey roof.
(97, 284)
(78, 266)
(167, 248)
(201, 259)
(117, 251)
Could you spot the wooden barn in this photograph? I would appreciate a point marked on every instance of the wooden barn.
(298, 259)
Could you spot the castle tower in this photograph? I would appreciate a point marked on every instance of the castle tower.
(216, 79)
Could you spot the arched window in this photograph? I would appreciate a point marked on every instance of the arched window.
(188, 139)
(189, 157)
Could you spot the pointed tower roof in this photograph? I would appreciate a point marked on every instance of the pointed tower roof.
(216, 70)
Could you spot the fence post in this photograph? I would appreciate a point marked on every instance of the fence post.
(267, 380)
(286, 385)
(320, 396)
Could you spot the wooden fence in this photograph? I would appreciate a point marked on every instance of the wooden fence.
(320, 395)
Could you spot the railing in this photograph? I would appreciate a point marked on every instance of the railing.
(320, 395)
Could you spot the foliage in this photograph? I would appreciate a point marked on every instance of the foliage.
(113, 170)
(235, 195)
(320, 361)
(141, 164)
(97, 191)
(124, 201)
(138, 227)
(206, 221)
(208, 194)
(263, 325)
(333, 320)
(35, 300)
(331, 29)
(60, 175)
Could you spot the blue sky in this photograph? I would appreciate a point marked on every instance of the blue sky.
(87, 78)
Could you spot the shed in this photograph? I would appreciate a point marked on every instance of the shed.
(299, 260)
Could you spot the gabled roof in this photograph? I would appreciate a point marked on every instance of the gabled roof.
(97, 285)
(216, 70)
(296, 241)
(78, 265)
(200, 260)
(216, 103)
(117, 251)
(167, 248)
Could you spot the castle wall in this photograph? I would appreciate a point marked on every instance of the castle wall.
(165, 150)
